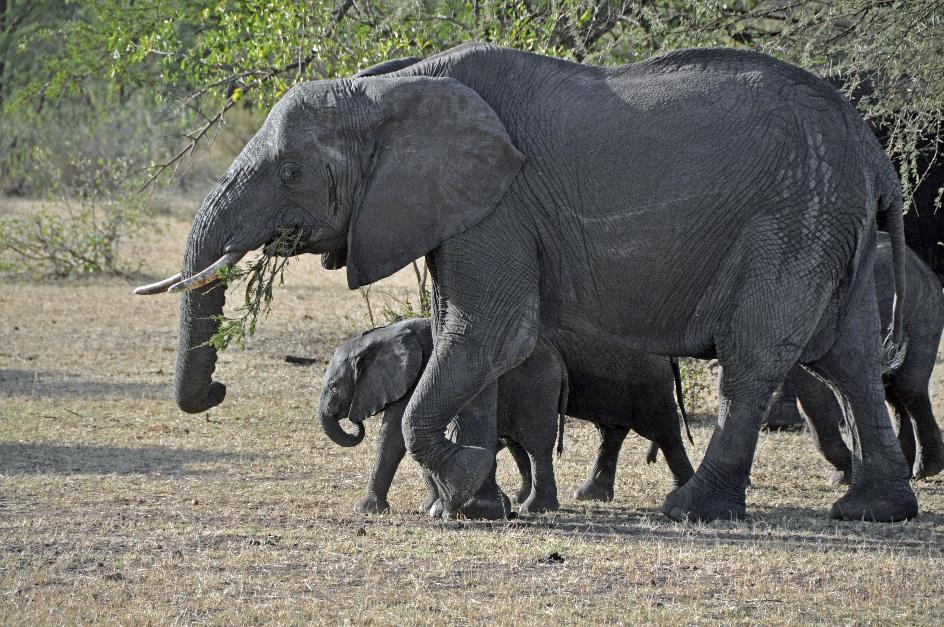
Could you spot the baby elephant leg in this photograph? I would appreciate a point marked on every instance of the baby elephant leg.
(390, 452)
(543, 496)
(523, 462)
(599, 485)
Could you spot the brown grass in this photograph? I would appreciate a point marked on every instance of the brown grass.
(116, 507)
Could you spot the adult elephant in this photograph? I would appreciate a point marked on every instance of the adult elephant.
(706, 203)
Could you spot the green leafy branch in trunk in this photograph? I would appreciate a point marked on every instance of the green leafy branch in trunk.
(260, 277)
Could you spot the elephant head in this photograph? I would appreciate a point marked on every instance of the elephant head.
(365, 375)
(375, 171)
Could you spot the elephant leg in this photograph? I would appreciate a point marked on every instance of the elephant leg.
(762, 338)
(474, 430)
(880, 490)
(825, 417)
(906, 432)
(390, 451)
(483, 325)
(524, 468)
(543, 497)
(909, 386)
(599, 485)
(929, 448)
(677, 459)
(783, 414)
(717, 489)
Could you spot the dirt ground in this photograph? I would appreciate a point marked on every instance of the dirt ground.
(117, 507)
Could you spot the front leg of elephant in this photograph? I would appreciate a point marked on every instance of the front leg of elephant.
(390, 452)
(485, 321)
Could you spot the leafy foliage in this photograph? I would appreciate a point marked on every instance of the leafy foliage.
(82, 227)
(260, 278)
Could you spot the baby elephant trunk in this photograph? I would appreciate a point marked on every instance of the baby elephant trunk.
(332, 427)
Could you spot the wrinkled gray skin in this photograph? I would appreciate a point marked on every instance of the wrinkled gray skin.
(906, 388)
(707, 202)
(616, 391)
(378, 370)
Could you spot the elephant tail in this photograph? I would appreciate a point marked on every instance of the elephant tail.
(679, 397)
(562, 410)
(895, 344)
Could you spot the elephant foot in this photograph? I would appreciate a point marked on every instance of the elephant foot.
(372, 504)
(458, 479)
(867, 501)
(487, 507)
(929, 463)
(695, 503)
(480, 508)
(592, 490)
(838, 477)
(539, 504)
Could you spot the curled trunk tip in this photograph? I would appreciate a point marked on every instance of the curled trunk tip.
(337, 434)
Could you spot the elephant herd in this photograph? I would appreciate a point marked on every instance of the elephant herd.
(583, 226)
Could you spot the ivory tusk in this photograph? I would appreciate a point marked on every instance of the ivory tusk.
(157, 288)
(206, 276)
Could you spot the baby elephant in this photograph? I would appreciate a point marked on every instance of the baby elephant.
(378, 370)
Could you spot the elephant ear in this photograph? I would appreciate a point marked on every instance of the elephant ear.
(385, 368)
(442, 161)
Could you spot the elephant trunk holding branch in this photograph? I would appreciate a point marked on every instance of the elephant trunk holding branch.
(704, 203)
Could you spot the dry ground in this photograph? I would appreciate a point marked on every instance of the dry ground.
(115, 506)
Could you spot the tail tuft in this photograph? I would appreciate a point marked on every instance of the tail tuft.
(893, 352)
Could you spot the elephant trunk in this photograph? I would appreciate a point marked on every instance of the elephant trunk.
(332, 428)
(194, 389)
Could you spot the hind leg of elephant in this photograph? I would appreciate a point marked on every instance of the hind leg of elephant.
(906, 432)
(824, 415)
(543, 496)
(760, 340)
(663, 429)
(599, 485)
(880, 490)
(909, 386)
(523, 462)
(929, 449)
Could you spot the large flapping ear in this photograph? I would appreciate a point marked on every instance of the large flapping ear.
(442, 162)
(387, 365)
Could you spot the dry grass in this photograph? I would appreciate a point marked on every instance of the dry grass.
(116, 507)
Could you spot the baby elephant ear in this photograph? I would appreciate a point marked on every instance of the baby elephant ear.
(442, 161)
(387, 366)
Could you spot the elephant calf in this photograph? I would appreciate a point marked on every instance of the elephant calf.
(906, 388)
(378, 370)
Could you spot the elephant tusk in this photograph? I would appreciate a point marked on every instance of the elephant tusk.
(207, 276)
(157, 288)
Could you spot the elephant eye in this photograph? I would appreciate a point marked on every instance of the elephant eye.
(290, 173)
